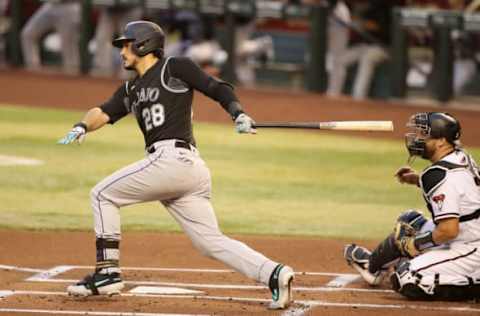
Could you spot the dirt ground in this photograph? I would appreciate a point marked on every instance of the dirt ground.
(324, 284)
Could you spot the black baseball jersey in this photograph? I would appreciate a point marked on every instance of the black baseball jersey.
(161, 99)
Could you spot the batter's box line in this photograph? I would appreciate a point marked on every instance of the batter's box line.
(340, 279)
(294, 310)
(300, 307)
(335, 285)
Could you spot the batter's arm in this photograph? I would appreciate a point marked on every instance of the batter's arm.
(94, 119)
(186, 70)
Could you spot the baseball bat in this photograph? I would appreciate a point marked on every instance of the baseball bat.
(369, 126)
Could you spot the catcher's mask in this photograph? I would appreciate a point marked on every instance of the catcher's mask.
(424, 126)
(146, 37)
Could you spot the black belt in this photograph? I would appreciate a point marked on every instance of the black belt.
(471, 216)
(178, 144)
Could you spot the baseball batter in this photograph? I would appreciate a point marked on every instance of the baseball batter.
(440, 257)
(172, 172)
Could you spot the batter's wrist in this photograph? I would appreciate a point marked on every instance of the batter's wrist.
(234, 108)
(82, 125)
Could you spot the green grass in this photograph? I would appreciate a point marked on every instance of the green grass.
(277, 182)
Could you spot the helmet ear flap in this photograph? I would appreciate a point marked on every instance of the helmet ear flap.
(146, 37)
(138, 48)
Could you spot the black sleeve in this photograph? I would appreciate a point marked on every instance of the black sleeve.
(117, 106)
(190, 73)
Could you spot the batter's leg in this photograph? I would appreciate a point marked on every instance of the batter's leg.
(197, 218)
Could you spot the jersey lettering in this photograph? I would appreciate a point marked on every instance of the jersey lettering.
(148, 95)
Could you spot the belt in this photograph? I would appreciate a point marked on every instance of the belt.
(178, 144)
(469, 217)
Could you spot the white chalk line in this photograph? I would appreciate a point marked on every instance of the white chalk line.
(392, 306)
(304, 305)
(22, 269)
(327, 274)
(16, 160)
(341, 279)
(71, 312)
(337, 284)
(229, 286)
(48, 274)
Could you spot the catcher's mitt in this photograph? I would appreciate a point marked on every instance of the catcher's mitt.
(404, 236)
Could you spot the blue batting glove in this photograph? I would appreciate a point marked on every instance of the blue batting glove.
(76, 134)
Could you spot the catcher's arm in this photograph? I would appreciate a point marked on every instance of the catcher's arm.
(407, 175)
(411, 244)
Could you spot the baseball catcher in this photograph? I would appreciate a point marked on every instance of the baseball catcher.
(437, 258)
(173, 172)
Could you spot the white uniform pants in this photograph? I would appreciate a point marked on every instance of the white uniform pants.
(457, 264)
(180, 180)
(368, 57)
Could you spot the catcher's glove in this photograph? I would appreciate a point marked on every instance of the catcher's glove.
(404, 236)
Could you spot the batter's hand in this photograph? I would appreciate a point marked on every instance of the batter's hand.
(407, 175)
(76, 134)
(244, 124)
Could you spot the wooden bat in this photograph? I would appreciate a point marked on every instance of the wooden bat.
(369, 126)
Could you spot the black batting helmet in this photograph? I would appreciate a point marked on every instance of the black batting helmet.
(146, 37)
(431, 125)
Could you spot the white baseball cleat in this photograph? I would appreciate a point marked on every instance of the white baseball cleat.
(358, 258)
(97, 284)
(281, 286)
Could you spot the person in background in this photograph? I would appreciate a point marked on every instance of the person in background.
(62, 17)
(250, 49)
(372, 32)
(338, 35)
(193, 35)
(4, 26)
(110, 21)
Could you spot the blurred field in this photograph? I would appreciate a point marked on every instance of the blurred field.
(277, 182)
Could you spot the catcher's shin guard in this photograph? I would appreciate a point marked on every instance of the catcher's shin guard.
(385, 253)
(359, 257)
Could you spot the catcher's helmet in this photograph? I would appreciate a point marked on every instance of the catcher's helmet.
(431, 125)
(146, 37)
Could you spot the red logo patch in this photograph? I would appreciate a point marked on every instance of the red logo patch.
(438, 199)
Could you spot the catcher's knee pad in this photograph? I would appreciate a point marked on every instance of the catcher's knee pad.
(407, 282)
(413, 218)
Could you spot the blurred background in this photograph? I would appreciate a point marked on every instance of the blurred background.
(384, 49)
